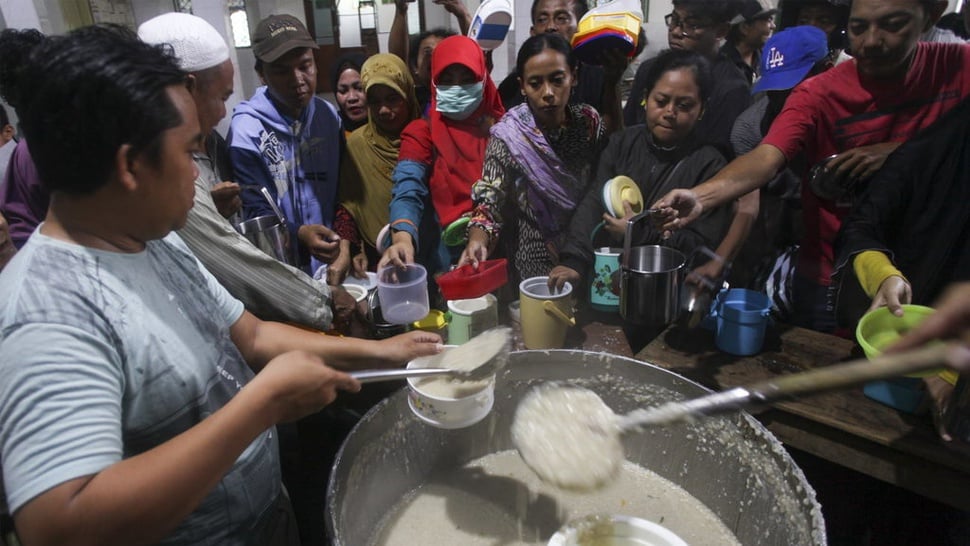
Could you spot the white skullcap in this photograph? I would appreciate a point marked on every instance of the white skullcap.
(196, 43)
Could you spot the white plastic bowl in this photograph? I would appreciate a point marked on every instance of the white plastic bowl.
(447, 412)
(356, 290)
(616, 531)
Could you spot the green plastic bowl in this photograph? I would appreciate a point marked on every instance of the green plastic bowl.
(879, 329)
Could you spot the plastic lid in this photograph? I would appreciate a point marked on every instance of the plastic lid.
(435, 320)
(466, 283)
(619, 189)
(456, 234)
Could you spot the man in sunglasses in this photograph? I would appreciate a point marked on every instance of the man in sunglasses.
(700, 26)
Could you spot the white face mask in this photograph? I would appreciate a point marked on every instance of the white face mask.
(459, 101)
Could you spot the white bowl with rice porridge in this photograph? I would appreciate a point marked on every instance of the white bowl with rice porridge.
(615, 531)
(448, 403)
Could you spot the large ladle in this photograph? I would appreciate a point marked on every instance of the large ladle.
(797, 385)
(572, 439)
(490, 350)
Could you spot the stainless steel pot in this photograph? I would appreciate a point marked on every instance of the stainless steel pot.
(269, 234)
(650, 281)
(732, 464)
(379, 327)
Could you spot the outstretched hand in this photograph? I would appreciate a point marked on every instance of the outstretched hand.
(894, 292)
(677, 209)
(400, 349)
(862, 162)
(321, 241)
(400, 253)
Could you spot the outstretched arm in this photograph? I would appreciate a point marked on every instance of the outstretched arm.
(142, 498)
(397, 39)
(743, 175)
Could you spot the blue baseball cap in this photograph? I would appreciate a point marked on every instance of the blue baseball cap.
(788, 57)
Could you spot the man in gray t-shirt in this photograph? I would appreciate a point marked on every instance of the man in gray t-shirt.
(139, 399)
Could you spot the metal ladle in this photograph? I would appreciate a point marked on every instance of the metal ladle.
(268, 197)
(585, 441)
(494, 361)
(788, 387)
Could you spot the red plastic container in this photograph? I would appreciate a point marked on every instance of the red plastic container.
(466, 282)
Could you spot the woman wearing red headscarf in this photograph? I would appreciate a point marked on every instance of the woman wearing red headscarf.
(441, 157)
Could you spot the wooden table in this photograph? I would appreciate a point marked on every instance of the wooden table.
(845, 427)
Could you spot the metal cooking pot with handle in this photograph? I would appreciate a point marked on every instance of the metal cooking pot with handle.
(269, 234)
(650, 280)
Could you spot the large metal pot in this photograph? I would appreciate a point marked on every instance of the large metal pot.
(732, 464)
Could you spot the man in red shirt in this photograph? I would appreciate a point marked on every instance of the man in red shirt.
(859, 111)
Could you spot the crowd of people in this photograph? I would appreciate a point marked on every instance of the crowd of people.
(151, 350)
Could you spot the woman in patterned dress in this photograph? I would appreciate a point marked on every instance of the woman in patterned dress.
(537, 165)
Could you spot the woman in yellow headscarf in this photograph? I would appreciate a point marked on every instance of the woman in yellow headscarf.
(365, 174)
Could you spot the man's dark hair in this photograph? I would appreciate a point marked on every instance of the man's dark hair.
(439, 32)
(718, 11)
(4, 118)
(90, 92)
(15, 47)
(579, 7)
(954, 23)
(675, 59)
(540, 42)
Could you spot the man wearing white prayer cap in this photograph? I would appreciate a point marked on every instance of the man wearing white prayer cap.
(268, 288)
(202, 52)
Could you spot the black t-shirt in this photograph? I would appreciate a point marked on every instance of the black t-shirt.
(589, 89)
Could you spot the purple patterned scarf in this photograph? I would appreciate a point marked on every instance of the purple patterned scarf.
(552, 190)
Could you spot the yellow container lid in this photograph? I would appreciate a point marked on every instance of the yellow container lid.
(620, 21)
(435, 320)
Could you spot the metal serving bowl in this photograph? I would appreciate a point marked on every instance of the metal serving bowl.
(731, 464)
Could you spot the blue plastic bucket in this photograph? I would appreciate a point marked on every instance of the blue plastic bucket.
(742, 316)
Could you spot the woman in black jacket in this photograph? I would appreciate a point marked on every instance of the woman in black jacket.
(659, 156)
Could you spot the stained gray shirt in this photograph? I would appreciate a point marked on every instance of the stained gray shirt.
(107, 355)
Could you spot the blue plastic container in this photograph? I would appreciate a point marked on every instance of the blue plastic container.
(903, 393)
(742, 317)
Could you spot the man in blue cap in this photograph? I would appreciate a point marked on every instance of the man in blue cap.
(859, 112)
(789, 57)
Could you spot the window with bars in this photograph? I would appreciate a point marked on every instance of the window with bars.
(183, 6)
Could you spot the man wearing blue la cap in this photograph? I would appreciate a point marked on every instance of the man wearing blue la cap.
(860, 111)
(789, 57)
